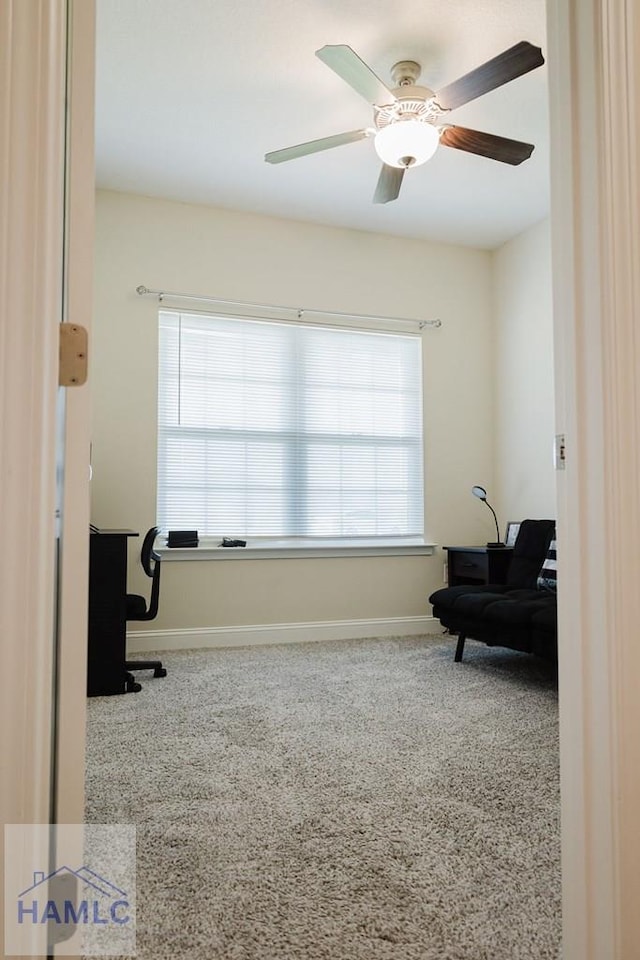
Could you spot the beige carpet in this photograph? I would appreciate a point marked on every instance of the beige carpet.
(363, 800)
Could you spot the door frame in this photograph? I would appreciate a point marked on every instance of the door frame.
(32, 86)
(594, 57)
(71, 699)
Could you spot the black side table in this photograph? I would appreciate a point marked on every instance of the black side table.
(477, 565)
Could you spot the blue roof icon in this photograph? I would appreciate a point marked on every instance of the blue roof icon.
(88, 876)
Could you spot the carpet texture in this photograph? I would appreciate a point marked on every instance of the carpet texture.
(361, 800)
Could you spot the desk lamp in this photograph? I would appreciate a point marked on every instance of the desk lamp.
(481, 494)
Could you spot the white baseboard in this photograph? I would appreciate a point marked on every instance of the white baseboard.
(139, 641)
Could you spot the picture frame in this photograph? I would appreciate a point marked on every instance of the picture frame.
(513, 528)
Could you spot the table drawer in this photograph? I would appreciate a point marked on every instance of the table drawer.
(468, 566)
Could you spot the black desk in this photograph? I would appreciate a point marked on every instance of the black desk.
(106, 673)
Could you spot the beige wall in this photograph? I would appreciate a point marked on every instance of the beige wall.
(524, 399)
(189, 248)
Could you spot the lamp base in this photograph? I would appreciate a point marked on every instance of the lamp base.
(494, 546)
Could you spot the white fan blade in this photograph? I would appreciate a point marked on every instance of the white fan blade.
(389, 183)
(314, 146)
(347, 64)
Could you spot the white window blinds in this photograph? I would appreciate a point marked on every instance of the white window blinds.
(268, 429)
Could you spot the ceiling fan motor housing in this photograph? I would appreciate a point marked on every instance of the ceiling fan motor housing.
(412, 103)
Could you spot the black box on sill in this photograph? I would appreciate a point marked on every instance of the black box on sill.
(182, 538)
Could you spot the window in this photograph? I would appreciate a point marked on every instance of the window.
(274, 430)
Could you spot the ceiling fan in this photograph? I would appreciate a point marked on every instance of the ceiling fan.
(409, 118)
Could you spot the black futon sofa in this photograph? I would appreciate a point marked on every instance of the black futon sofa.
(517, 614)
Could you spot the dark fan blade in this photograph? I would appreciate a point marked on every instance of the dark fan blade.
(389, 183)
(347, 64)
(505, 67)
(486, 145)
(314, 146)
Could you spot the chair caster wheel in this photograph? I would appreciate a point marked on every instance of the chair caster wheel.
(133, 687)
(159, 672)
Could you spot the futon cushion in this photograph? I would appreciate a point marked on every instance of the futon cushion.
(516, 608)
(447, 596)
(477, 604)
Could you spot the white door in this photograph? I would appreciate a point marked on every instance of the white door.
(46, 237)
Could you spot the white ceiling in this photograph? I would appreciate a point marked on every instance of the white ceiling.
(192, 93)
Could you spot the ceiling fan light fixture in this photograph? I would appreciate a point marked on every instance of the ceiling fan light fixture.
(406, 143)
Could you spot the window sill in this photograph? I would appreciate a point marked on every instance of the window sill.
(210, 549)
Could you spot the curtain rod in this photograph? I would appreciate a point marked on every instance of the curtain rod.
(301, 312)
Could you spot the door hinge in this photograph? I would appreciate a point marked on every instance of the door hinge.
(73, 355)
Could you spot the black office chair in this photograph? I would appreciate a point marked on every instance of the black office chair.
(137, 608)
